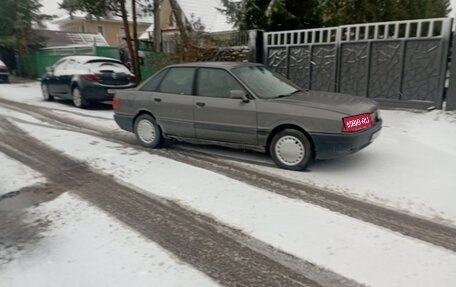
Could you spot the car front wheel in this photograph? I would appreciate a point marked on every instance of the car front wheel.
(291, 149)
(147, 131)
(45, 91)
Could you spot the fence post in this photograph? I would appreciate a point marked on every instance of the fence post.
(256, 46)
(451, 92)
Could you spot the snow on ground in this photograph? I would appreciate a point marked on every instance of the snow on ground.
(410, 167)
(85, 247)
(23, 175)
(30, 93)
(358, 250)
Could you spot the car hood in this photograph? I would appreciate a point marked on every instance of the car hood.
(335, 102)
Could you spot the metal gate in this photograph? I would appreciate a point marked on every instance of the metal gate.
(400, 63)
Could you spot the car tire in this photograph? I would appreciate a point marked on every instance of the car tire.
(147, 131)
(78, 99)
(45, 91)
(291, 149)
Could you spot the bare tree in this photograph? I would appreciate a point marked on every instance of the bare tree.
(135, 40)
(157, 28)
(186, 45)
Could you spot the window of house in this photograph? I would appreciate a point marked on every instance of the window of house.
(120, 36)
(100, 30)
(171, 21)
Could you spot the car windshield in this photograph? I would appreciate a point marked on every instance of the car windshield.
(265, 83)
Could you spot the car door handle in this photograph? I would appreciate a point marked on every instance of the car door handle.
(157, 100)
(200, 104)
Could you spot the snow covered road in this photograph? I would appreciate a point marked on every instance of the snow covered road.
(357, 250)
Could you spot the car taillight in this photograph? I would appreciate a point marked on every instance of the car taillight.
(115, 103)
(4, 68)
(91, 77)
(132, 78)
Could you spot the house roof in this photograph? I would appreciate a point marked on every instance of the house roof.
(51, 7)
(82, 17)
(206, 10)
(64, 38)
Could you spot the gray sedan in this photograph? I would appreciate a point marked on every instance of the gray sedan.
(245, 105)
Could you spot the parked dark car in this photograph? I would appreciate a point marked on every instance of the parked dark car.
(4, 72)
(245, 105)
(86, 79)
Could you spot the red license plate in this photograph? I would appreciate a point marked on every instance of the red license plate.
(358, 122)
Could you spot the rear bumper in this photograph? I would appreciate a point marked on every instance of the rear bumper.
(101, 93)
(124, 122)
(4, 76)
(335, 145)
(95, 93)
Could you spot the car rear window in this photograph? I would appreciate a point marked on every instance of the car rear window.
(151, 84)
(107, 67)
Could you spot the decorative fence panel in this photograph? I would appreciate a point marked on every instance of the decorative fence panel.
(402, 63)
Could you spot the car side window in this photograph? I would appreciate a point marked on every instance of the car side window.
(152, 84)
(178, 80)
(216, 83)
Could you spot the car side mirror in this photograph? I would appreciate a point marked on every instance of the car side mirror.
(239, 94)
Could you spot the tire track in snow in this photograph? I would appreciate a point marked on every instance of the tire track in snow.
(426, 230)
(222, 253)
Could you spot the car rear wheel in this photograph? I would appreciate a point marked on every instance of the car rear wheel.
(45, 91)
(291, 149)
(78, 99)
(147, 131)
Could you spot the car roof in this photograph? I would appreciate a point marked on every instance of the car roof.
(224, 65)
(85, 59)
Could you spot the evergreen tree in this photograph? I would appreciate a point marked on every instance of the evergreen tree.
(16, 35)
(272, 14)
(18, 19)
(340, 12)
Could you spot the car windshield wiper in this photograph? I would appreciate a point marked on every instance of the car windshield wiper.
(287, 95)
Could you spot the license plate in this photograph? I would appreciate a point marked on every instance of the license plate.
(357, 122)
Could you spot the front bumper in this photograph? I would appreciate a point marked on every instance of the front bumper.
(335, 145)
